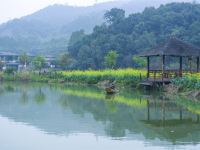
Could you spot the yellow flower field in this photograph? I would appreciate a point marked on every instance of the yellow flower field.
(124, 76)
(193, 75)
(114, 73)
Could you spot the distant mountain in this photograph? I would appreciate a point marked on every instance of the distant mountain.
(48, 30)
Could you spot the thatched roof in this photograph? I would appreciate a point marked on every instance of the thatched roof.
(173, 47)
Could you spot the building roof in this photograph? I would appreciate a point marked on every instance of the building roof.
(173, 47)
(49, 58)
(8, 54)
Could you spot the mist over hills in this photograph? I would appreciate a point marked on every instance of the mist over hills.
(48, 30)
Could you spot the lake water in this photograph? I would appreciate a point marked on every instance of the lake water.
(49, 117)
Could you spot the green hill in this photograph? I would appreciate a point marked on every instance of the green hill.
(135, 33)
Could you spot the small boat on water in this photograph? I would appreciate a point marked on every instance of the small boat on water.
(110, 89)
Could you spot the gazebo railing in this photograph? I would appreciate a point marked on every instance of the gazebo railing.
(167, 74)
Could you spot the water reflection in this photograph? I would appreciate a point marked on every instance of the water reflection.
(24, 97)
(129, 115)
(39, 96)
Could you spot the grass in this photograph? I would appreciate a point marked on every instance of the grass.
(26, 77)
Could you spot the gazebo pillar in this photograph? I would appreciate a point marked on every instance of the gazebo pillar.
(190, 64)
(181, 66)
(148, 110)
(148, 66)
(163, 66)
(198, 64)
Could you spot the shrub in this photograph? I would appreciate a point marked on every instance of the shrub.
(9, 71)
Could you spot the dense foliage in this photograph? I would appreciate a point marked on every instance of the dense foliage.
(188, 82)
(64, 61)
(135, 33)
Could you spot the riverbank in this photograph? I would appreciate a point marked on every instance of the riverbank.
(122, 77)
(189, 86)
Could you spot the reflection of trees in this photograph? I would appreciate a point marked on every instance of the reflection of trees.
(63, 101)
(40, 96)
(24, 97)
(121, 115)
(1, 90)
(191, 105)
(99, 95)
(160, 116)
(9, 88)
(111, 107)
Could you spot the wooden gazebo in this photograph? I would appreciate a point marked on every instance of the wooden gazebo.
(173, 48)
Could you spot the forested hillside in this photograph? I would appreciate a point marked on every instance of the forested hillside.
(135, 33)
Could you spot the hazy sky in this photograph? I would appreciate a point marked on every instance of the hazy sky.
(10, 9)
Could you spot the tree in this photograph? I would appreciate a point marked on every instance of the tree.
(115, 15)
(65, 60)
(38, 62)
(24, 59)
(111, 59)
(1, 65)
(86, 58)
(139, 62)
(76, 36)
